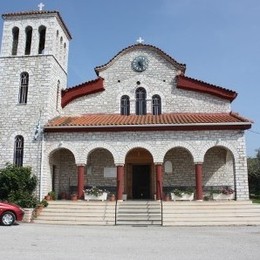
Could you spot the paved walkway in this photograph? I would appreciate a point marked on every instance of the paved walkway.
(35, 241)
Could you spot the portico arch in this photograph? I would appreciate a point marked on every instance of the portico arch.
(62, 171)
(139, 174)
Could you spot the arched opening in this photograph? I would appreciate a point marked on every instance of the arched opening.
(139, 176)
(125, 105)
(156, 105)
(101, 170)
(24, 84)
(15, 40)
(218, 170)
(28, 41)
(63, 173)
(140, 104)
(18, 150)
(181, 173)
(42, 36)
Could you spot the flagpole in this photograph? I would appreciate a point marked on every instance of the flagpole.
(41, 170)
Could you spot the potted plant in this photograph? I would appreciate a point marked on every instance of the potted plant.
(74, 196)
(185, 194)
(52, 194)
(95, 193)
(112, 197)
(39, 207)
(226, 193)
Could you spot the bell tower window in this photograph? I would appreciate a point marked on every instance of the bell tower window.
(28, 42)
(42, 34)
(140, 103)
(15, 40)
(24, 82)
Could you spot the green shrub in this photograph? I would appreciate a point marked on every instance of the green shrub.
(17, 185)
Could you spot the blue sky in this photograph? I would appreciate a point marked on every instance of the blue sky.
(219, 41)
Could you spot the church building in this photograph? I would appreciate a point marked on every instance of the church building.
(140, 129)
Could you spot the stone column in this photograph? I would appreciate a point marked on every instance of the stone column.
(120, 181)
(81, 171)
(159, 181)
(198, 173)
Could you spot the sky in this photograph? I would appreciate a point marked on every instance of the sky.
(218, 40)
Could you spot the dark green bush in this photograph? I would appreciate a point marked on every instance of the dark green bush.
(17, 185)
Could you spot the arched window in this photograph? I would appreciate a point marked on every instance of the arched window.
(140, 104)
(125, 105)
(18, 150)
(42, 34)
(28, 41)
(24, 82)
(15, 40)
(58, 95)
(156, 103)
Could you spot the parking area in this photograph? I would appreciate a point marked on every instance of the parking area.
(34, 241)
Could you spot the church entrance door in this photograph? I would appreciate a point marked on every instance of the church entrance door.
(141, 182)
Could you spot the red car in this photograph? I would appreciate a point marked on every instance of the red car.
(9, 213)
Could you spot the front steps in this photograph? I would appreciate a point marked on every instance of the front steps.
(144, 213)
(138, 213)
(78, 213)
(211, 213)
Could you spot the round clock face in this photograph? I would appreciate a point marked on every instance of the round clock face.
(140, 63)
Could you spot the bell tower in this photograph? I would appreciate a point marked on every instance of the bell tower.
(33, 71)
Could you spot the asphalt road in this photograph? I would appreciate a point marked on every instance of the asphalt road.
(34, 241)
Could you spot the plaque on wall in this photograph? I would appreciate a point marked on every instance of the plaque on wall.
(110, 172)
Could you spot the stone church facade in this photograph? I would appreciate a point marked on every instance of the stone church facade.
(141, 128)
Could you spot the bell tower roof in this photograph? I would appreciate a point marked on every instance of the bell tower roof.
(32, 14)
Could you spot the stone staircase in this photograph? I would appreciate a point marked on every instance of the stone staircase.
(144, 213)
(78, 213)
(211, 213)
(138, 213)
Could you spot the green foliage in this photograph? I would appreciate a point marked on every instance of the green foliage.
(254, 173)
(17, 185)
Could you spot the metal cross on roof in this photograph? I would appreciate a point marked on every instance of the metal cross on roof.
(140, 40)
(41, 5)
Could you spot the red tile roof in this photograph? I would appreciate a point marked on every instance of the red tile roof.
(99, 121)
(86, 88)
(187, 83)
(180, 66)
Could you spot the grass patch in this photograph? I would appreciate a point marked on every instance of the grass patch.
(256, 200)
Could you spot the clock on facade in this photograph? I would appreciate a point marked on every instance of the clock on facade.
(140, 63)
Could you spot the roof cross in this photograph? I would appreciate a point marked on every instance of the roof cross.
(41, 5)
(140, 40)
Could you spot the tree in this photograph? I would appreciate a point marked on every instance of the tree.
(17, 185)
(254, 173)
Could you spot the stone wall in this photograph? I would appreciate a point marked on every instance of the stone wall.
(159, 79)
(194, 147)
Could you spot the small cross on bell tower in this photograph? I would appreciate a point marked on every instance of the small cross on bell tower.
(41, 5)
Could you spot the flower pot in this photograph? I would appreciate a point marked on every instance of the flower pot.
(112, 197)
(74, 197)
(184, 196)
(93, 197)
(221, 196)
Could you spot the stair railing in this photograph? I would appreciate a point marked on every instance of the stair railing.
(116, 203)
(161, 200)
